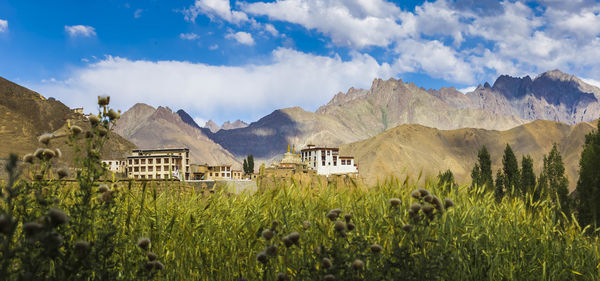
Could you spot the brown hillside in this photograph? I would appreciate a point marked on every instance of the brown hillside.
(25, 114)
(410, 149)
(149, 128)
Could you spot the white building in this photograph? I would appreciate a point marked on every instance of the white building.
(327, 161)
(159, 164)
(115, 165)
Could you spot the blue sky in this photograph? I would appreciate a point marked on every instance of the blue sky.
(227, 60)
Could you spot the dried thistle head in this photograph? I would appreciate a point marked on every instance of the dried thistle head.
(103, 100)
(407, 227)
(338, 211)
(427, 209)
(62, 172)
(32, 228)
(262, 257)
(295, 237)
(326, 263)
(437, 203)
(76, 130)
(415, 207)
(395, 202)
(102, 131)
(48, 154)
(271, 250)
(306, 225)
(350, 226)
(332, 216)
(103, 188)
(448, 203)
(358, 264)
(424, 192)
(339, 226)
(376, 248)
(287, 241)
(144, 243)
(282, 277)
(267, 234)
(45, 138)
(5, 224)
(428, 198)
(57, 217)
(39, 153)
(329, 277)
(274, 225)
(151, 256)
(347, 217)
(158, 265)
(112, 115)
(82, 248)
(58, 152)
(28, 158)
(416, 194)
(94, 120)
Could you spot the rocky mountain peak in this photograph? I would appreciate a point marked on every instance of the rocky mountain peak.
(212, 126)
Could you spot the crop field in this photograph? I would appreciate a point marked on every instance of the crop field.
(319, 233)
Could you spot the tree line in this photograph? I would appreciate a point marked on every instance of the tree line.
(552, 183)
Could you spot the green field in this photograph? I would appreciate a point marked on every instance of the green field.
(217, 236)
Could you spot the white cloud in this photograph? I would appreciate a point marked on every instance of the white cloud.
(3, 25)
(593, 82)
(241, 37)
(356, 23)
(80, 30)
(138, 13)
(213, 47)
(213, 9)
(271, 29)
(200, 121)
(189, 36)
(467, 89)
(247, 92)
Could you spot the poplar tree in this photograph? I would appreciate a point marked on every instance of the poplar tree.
(499, 188)
(588, 185)
(528, 179)
(482, 172)
(511, 170)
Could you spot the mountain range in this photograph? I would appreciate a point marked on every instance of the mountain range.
(359, 114)
(412, 149)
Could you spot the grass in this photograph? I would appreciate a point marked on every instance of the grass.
(217, 236)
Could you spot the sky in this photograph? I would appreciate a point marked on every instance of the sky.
(227, 60)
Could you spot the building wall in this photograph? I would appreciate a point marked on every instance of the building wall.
(159, 164)
(115, 165)
(326, 161)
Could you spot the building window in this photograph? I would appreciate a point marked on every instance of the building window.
(137, 161)
(328, 152)
(143, 168)
(166, 167)
(129, 161)
(142, 176)
(149, 176)
(150, 169)
(136, 169)
(323, 163)
(143, 161)
(149, 161)
(334, 160)
(158, 168)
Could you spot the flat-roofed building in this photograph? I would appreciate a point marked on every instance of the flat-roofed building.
(220, 172)
(115, 165)
(169, 163)
(327, 161)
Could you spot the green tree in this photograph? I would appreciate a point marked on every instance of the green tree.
(528, 179)
(245, 166)
(482, 172)
(556, 183)
(510, 167)
(251, 163)
(588, 185)
(499, 188)
(446, 178)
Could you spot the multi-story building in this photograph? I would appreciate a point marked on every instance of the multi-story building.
(159, 164)
(220, 172)
(327, 161)
(115, 165)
